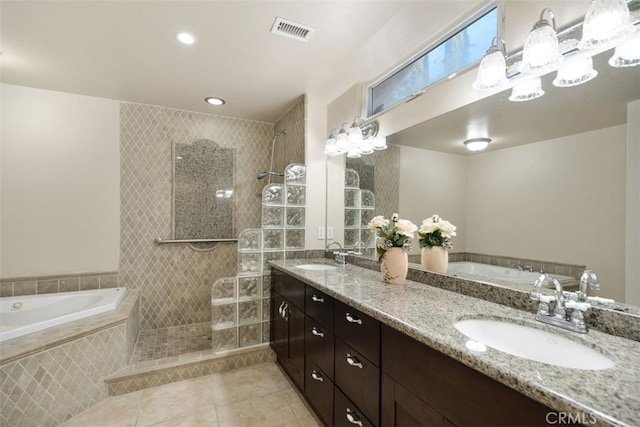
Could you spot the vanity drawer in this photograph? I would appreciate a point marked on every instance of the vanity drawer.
(346, 414)
(358, 378)
(360, 331)
(319, 345)
(320, 307)
(319, 391)
(290, 288)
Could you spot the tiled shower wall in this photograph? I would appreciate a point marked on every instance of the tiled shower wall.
(175, 279)
(289, 147)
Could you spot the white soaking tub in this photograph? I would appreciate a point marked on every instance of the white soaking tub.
(30, 313)
(502, 273)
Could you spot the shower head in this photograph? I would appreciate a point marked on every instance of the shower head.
(262, 175)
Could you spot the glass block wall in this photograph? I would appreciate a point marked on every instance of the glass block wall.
(359, 208)
(240, 305)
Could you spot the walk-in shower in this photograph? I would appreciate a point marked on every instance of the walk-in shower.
(270, 172)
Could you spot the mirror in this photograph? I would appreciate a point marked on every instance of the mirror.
(551, 186)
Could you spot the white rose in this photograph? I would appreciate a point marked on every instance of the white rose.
(376, 222)
(406, 228)
(447, 229)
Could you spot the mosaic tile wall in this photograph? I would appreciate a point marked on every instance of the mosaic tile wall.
(51, 386)
(289, 147)
(175, 279)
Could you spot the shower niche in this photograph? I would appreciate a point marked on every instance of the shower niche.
(203, 191)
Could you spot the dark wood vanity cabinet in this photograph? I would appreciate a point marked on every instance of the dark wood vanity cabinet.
(354, 371)
(287, 325)
(421, 386)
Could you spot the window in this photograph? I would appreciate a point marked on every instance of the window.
(455, 52)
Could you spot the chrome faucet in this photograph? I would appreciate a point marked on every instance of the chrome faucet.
(559, 315)
(358, 248)
(339, 256)
(588, 278)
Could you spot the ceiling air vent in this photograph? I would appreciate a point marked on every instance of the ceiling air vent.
(284, 27)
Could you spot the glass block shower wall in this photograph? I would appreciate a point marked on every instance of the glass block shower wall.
(359, 209)
(240, 306)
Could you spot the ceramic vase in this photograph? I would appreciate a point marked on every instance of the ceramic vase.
(394, 266)
(435, 258)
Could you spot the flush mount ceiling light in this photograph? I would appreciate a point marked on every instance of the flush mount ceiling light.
(355, 140)
(492, 72)
(541, 49)
(185, 38)
(606, 21)
(214, 101)
(477, 144)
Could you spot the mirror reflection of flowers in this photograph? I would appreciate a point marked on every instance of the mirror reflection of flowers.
(392, 233)
(436, 231)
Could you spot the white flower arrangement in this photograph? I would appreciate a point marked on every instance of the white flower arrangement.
(436, 231)
(396, 232)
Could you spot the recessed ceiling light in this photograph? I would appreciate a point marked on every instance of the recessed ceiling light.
(185, 38)
(477, 144)
(214, 101)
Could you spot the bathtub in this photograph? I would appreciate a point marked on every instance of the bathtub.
(502, 273)
(31, 313)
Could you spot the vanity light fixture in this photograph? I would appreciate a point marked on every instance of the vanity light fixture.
(355, 140)
(214, 101)
(627, 54)
(185, 38)
(492, 72)
(541, 49)
(605, 22)
(477, 144)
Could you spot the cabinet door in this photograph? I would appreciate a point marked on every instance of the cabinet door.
(295, 319)
(279, 328)
(346, 414)
(402, 408)
(318, 388)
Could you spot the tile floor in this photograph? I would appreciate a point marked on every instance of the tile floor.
(258, 395)
(167, 342)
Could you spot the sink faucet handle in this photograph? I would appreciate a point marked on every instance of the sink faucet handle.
(580, 306)
(577, 317)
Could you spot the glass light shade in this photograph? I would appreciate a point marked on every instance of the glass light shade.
(627, 54)
(492, 71)
(343, 141)
(574, 73)
(331, 147)
(477, 144)
(380, 143)
(527, 90)
(366, 147)
(355, 134)
(605, 21)
(354, 153)
(541, 49)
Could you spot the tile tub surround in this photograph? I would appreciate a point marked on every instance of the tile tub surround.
(623, 320)
(53, 374)
(428, 314)
(18, 286)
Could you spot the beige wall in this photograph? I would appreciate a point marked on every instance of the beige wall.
(434, 183)
(560, 200)
(60, 183)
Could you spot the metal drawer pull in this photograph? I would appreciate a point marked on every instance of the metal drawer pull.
(316, 376)
(280, 308)
(352, 319)
(353, 361)
(352, 418)
(316, 298)
(285, 313)
(317, 333)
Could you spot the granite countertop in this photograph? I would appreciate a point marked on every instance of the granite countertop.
(428, 314)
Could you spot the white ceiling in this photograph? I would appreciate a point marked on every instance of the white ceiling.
(126, 50)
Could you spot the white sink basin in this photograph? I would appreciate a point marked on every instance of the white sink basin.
(531, 343)
(316, 267)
